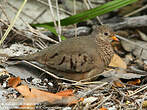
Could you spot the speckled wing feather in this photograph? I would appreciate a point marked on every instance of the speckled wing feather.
(76, 55)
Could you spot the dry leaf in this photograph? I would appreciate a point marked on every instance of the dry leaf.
(3, 71)
(116, 61)
(103, 109)
(144, 104)
(34, 96)
(118, 84)
(137, 81)
(14, 81)
(68, 92)
(142, 35)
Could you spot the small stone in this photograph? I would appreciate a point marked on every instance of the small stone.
(67, 108)
(51, 84)
(89, 100)
(36, 81)
(142, 35)
(135, 49)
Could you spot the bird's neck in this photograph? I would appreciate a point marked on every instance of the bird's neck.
(105, 50)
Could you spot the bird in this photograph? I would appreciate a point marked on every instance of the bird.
(77, 58)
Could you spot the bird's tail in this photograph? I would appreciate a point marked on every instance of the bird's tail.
(24, 57)
(14, 58)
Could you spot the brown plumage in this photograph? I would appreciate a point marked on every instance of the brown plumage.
(79, 57)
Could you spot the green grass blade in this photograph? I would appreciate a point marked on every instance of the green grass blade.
(92, 13)
(88, 14)
(53, 30)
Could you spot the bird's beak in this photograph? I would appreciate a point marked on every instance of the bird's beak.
(115, 38)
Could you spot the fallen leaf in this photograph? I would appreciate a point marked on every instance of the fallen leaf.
(142, 35)
(137, 81)
(121, 73)
(103, 109)
(33, 96)
(118, 83)
(14, 81)
(3, 71)
(116, 61)
(68, 92)
(36, 94)
(135, 50)
(89, 100)
(74, 101)
(144, 104)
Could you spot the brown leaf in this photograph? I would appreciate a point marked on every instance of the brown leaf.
(103, 109)
(39, 95)
(68, 92)
(34, 96)
(144, 104)
(14, 81)
(118, 83)
(137, 81)
(116, 61)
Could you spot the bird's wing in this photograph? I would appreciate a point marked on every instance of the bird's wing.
(78, 55)
(72, 56)
(74, 62)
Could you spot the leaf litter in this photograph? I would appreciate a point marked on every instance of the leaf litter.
(122, 86)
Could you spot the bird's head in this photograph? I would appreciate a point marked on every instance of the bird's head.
(104, 32)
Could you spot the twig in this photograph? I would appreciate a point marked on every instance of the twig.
(38, 33)
(54, 76)
(130, 22)
(104, 100)
(97, 16)
(46, 37)
(129, 41)
(83, 30)
(140, 89)
(5, 23)
(53, 16)
(121, 102)
(85, 1)
(3, 11)
(21, 12)
(44, 3)
(98, 1)
(59, 24)
(12, 23)
(144, 97)
(41, 44)
(141, 53)
(136, 70)
(35, 19)
(87, 83)
(91, 91)
(75, 25)
(136, 11)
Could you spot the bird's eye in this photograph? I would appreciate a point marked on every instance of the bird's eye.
(106, 34)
